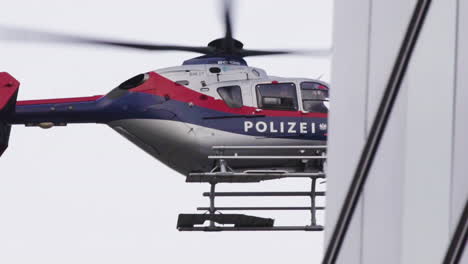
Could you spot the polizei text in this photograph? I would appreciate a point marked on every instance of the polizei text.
(283, 127)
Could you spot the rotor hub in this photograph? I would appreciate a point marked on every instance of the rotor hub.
(222, 44)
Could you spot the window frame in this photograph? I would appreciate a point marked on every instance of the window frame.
(258, 96)
(314, 89)
(226, 102)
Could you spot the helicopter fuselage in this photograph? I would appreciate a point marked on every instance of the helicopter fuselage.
(178, 114)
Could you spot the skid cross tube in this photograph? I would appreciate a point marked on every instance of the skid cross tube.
(376, 131)
(235, 157)
(263, 194)
(271, 208)
(271, 173)
(266, 147)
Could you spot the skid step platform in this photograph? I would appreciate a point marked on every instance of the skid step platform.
(188, 221)
(223, 173)
(236, 222)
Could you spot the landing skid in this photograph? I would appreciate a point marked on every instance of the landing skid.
(222, 173)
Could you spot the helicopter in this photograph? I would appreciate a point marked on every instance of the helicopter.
(189, 116)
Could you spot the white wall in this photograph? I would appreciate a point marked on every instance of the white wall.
(410, 197)
(426, 208)
(460, 166)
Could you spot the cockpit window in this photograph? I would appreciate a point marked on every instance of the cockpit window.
(134, 81)
(277, 96)
(232, 95)
(314, 97)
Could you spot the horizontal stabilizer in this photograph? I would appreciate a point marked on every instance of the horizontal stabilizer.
(8, 94)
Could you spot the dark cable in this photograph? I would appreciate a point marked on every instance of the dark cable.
(459, 239)
(376, 132)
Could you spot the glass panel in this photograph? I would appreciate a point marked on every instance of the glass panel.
(232, 95)
(134, 81)
(314, 97)
(277, 96)
(183, 82)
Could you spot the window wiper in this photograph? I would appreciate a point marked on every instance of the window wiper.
(459, 239)
(376, 132)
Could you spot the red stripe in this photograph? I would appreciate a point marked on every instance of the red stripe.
(161, 86)
(60, 100)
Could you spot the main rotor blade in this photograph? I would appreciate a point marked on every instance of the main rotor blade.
(227, 6)
(312, 52)
(28, 35)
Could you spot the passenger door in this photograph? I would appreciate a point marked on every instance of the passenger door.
(314, 97)
(229, 117)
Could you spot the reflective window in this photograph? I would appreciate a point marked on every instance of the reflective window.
(277, 96)
(232, 95)
(134, 81)
(314, 97)
(183, 83)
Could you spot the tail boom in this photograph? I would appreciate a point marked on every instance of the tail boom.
(44, 113)
(57, 111)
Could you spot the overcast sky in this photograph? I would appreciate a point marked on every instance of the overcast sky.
(82, 193)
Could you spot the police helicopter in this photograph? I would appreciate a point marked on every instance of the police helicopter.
(213, 119)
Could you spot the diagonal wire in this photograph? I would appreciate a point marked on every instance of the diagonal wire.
(459, 239)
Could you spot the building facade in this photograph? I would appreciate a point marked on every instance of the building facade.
(419, 181)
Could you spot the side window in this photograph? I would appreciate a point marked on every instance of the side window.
(314, 97)
(277, 96)
(232, 95)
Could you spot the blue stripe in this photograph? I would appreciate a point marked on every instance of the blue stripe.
(135, 105)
